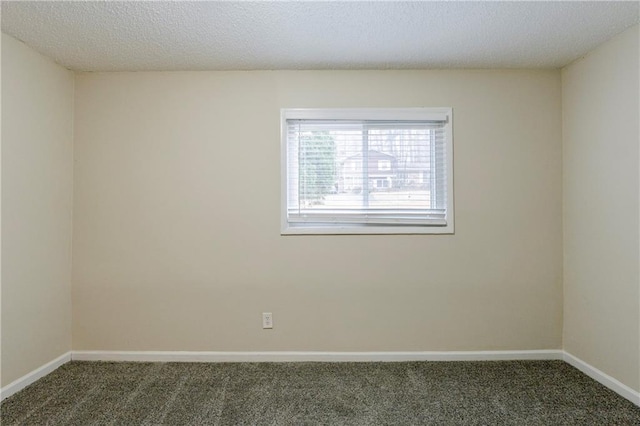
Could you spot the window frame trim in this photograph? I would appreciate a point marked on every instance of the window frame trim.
(426, 113)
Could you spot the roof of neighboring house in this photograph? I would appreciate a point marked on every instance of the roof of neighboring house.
(372, 153)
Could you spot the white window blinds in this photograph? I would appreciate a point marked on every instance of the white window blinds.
(343, 172)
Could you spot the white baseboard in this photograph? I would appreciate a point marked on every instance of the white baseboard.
(613, 384)
(31, 377)
(179, 356)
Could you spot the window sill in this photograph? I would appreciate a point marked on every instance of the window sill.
(367, 230)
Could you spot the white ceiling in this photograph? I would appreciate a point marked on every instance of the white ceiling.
(181, 35)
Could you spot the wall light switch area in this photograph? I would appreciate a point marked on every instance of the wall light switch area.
(267, 320)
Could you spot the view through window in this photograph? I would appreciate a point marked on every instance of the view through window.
(346, 173)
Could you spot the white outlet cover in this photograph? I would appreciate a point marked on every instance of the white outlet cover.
(267, 320)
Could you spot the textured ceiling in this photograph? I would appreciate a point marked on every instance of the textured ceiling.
(135, 35)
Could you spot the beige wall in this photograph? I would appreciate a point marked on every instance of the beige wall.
(601, 247)
(37, 185)
(177, 204)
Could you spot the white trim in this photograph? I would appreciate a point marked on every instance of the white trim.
(599, 376)
(365, 230)
(183, 356)
(37, 374)
(417, 113)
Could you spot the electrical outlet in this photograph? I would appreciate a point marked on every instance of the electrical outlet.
(267, 320)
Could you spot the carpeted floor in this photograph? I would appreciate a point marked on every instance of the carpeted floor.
(411, 393)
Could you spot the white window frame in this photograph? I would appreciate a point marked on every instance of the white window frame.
(367, 114)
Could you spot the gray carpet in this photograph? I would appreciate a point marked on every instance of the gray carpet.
(411, 393)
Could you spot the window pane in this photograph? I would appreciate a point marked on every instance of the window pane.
(398, 173)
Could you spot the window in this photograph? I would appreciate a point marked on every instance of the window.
(384, 165)
(382, 183)
(367, 171)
